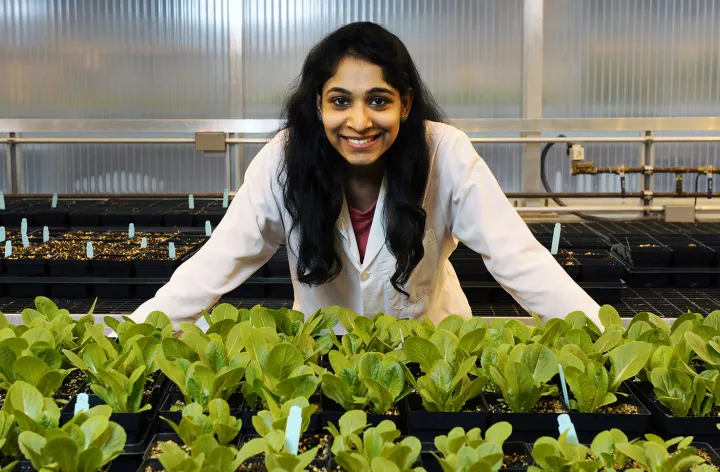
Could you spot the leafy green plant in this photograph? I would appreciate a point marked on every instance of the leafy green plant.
(278, 458)
(276, 417)
(461, 451)
(279, 372)
(592, 385)
(523, 374)
(38, 363)
(85, 443)
(119, 379)
(371, 379)
(156, 324)
(604, 450)
(654, 454)
(557, 455)
(219, 423)
(66, 333)
(446, 385)
(376, 450)
(203, 366)
(680, 392)
(207, 455)
(382, 334)
(31, 410)
(8, 442)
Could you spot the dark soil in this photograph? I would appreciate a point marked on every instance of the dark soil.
(619, 409)
(393, 411)
(515, 461)
(2, 397)
(71, 384)
(544, 405)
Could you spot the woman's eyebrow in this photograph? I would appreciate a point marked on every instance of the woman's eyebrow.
(369, 92)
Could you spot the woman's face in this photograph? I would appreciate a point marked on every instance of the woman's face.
(361, 112)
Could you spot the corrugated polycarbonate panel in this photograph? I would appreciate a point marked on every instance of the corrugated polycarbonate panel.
(631, 58)
(469, 52)
(3, 166)
(121, 168)
(115, 58)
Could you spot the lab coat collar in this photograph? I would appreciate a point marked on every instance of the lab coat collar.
(376, 240)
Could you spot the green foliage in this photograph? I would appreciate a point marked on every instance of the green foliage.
(219, 423)
(207, 455)
(376, 450)
(381, 334)
(276, 417)
(85, 443)
(557, 455)
(371, 380)
(466, 452)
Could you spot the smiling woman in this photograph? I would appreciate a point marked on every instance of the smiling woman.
(371, 190)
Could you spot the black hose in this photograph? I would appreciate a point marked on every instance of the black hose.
(546, 184)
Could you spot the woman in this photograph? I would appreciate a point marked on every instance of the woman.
(371, 191)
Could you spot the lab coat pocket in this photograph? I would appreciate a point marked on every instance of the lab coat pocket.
(422, 280)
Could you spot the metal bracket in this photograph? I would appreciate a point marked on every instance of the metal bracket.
(647, 195)
(648, 169)
(210, 141)
(680, 213)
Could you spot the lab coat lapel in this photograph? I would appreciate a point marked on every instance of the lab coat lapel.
(348, 241)
(376, 241)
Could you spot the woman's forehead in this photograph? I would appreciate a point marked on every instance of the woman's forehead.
(358, 77)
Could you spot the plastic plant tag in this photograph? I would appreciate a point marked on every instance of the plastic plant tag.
(2, 234)
(46, 234)
(131, 230)
(2, 201)
(555, 239)
(143, 243)
(191, 202)
(564, 386)
(23, 226)
(53, 202)
(82, 403)
(226, 198)
(566, 424)
(25, 240)
(292, 430)
(8, 249)
(89, 250)
(208, 228)
(171, 250)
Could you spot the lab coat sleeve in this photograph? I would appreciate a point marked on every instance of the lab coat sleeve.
(248, 235)
(479, 215)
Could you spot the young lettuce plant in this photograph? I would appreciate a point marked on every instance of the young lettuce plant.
(219, 423)
(8, 442)
(207, 455)
(276, 417)
(277, 458)
(376, 450)
(118, 379)
(681, 392)
(592, 385)
(371, 379)
(381, 334)
(38, 364)
(31, 410)
(85, 443)
(203, 366)
(654, 455)
(523, 374)
(469, 451)
(278, 371)
(604, 450)
(443, 359)
(157, 324)
(66, 332)
(552, 455)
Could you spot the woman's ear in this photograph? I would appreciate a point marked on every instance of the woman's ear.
(407, 102)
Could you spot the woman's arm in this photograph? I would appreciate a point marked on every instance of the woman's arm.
(479, 215)
(248, 235)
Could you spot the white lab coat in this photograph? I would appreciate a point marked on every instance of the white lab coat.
(463, 202)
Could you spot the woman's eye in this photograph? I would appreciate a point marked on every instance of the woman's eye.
(340, 102)
(378, 101)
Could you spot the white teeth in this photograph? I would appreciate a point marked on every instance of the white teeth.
(358, 141)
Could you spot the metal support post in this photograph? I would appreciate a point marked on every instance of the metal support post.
(532, 90)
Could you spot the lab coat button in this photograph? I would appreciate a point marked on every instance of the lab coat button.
(364, 276)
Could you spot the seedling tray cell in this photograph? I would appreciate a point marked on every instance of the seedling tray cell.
(425, 425)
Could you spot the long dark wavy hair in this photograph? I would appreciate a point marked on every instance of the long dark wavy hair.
(311, 176)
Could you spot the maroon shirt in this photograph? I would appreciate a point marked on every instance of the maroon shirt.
(361, 223)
